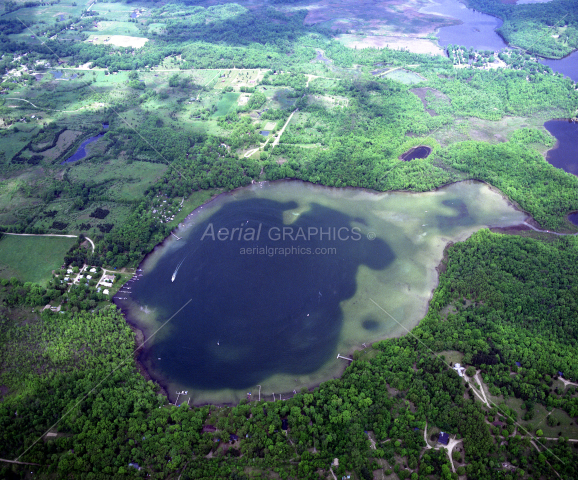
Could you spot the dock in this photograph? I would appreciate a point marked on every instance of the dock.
(344, 358)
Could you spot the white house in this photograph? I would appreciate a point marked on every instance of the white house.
(458, 368)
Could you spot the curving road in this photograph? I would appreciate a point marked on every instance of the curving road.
(548, 231)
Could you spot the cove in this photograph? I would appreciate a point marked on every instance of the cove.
(477, 29)
(567, 66)
(564, 154)
(278, 278)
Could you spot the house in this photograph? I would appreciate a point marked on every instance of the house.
(518, 364)
(498, 423)
(458, 368)
(284, 424)
(233, 437)
(209, 429)
(444, 438)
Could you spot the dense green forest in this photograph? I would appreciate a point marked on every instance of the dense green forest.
(511, 299)
(178, 120)
(549, 29)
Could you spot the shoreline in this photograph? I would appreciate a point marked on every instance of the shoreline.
(140, 337)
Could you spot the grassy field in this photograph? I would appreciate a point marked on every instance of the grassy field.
(224, 105)
(404, 76)
(32, 259)
(566, 426)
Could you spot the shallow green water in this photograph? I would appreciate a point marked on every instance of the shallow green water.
(278, 317)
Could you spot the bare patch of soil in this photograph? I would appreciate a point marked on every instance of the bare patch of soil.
(412, 43)
(422, 94)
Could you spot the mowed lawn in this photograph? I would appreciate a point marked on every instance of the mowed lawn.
(32, 259)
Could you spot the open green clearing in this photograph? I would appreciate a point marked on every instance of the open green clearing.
(32, 259)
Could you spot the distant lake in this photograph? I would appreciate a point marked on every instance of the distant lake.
(477, 29)
(564, 155)
(261, 317)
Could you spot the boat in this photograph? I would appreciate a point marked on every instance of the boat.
(177, 270)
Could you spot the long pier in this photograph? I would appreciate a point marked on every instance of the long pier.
(344, 358)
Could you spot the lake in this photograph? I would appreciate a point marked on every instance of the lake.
(564, 155)
(276, 279)
(477, 29)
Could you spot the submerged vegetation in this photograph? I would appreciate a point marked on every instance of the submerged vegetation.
(485, 307)
(185, 90)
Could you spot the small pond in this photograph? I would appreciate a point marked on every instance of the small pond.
(81, 152)
(265, 133)
(421, 151)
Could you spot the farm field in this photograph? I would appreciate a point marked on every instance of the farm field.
(32, 259)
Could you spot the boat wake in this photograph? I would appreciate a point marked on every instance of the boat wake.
(177, 269)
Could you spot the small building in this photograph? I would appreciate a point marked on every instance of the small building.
(284, 424)
(560, 374)
(518, 364)
(458, 368)
(105, 291)
(93, 270)
(233, 437)
(444, 438)
(498, 423)
(209, 429)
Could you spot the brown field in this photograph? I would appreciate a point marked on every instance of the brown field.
(422, 94)
(65, 140)
(413, 44)
(375, 16)
(118, 40)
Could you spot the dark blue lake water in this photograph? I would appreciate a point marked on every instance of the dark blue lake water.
(476, 30)
(255, 314)
(564, 155)
(81, 152)
(278, 318)
(567, 66)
